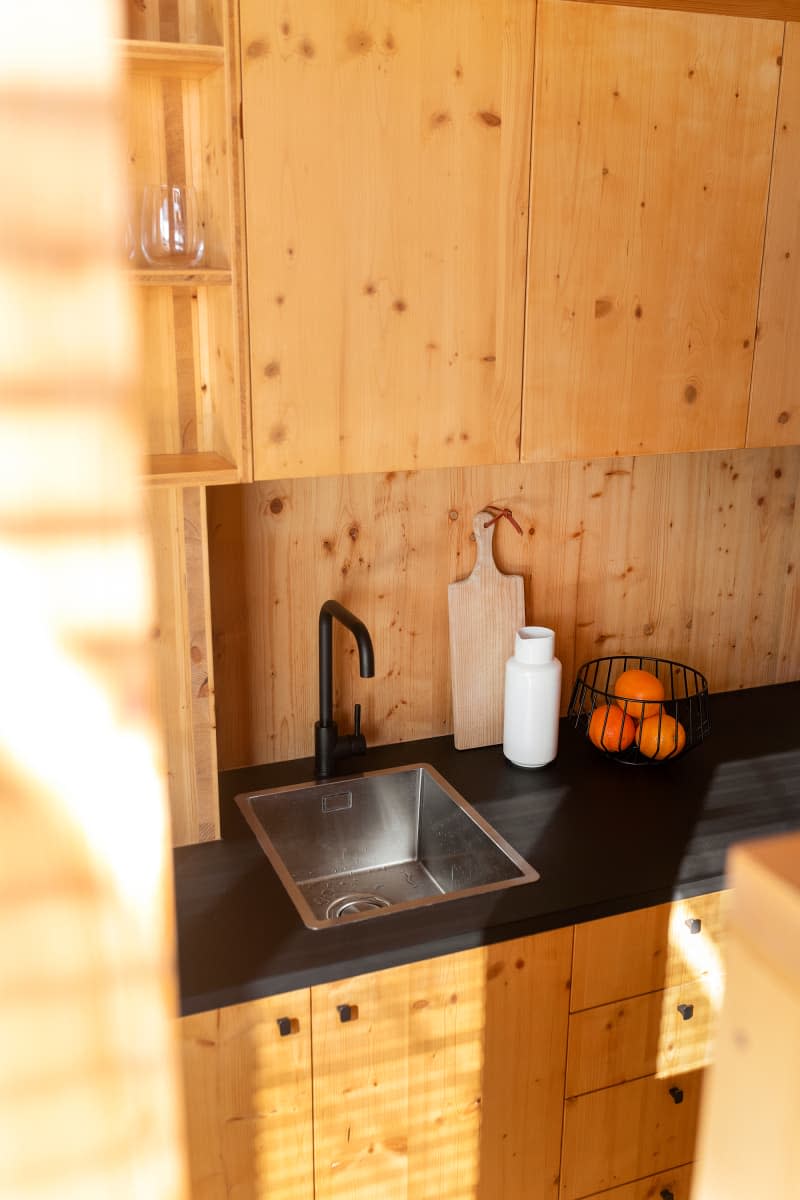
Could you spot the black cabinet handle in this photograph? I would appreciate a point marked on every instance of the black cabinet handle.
(677, 1094)
(285, 1026)
(694, 924)
(345, 1012)
(666, 1194)
(686, 1011)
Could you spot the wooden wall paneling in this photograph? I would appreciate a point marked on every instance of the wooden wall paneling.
(526, 1012)
(195, 21)
(652, 142)
(249, 1100)
(774, 406)
(177, 522)
(693, 557)
(386, 156)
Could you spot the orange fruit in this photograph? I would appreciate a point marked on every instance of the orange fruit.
(611, 729)
(662, 737)
(637, 685)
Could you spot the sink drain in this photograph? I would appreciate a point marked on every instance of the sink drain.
(356, 902)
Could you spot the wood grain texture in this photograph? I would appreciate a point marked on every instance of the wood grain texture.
(759, 1038)
(194, 392)
(620, 1134)
(643, 951)
(193, 21)
(89, 1087)
(387, 218)
(184, 662)
(774, 404)
(606, 558)
(776, 10)
(248, 1100)
(648, 201)
(678, 1182)
(485, 610)
(527, 998)
(645, 1035)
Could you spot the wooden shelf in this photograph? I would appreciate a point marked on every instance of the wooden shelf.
(175, 277)
(179, 59)
(205, 466)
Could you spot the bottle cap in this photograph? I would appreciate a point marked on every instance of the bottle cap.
(534, 644)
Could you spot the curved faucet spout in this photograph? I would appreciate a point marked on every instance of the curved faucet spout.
(327, 745)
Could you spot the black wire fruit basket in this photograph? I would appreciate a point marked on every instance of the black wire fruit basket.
(640, 730)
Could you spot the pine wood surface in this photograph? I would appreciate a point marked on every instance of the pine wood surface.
(644, 951)
(774, 406)
(197, 22)
(776, 10)
(644, 1035)
(181, 99)
(387, 160)
(621, 1134)
(89, 1104)
(444, 1084)
(748, 1135)
(677, 1181)
(248, 1100)
(485, 610)
(691, 557)
(527, 990)
(184, 662)
(652, 143)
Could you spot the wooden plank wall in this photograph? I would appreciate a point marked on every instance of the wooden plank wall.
(693, 557)
(184, 667)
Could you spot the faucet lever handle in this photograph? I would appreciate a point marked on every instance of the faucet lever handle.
(357, 720)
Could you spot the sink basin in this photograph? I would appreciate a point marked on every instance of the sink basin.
(381, 842)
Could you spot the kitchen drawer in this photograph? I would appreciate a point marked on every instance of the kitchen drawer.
(647, 950)
(667, 1185)
(660, 1033)
(625, 1133)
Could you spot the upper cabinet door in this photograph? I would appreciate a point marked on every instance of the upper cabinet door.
(652, 142)
(775, 402)
(387, 153)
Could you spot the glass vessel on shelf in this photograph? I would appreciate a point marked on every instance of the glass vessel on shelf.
(171, 228)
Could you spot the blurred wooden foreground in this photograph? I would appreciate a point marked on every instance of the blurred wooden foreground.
(87, 1072)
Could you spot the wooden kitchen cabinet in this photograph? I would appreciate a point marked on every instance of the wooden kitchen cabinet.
(446, 1079)
(775, 407)
(247, 1085)
(181, 98)
(652, 144)
(646, 992)
(387, 157)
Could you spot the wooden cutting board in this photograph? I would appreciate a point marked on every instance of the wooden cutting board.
(486, 609)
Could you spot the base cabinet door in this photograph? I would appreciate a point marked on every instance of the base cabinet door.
(247, 1083)
(444, 1079)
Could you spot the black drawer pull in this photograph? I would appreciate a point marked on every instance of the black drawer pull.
(686, 1011)
(694, 924)
(345, 1012)
(666, 1194)
(677, 1094)
(284, 1025)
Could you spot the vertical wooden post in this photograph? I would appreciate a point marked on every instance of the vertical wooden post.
(88, 1083)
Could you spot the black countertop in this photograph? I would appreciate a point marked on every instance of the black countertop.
(606, 838)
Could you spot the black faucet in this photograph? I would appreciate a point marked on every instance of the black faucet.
(328, 746)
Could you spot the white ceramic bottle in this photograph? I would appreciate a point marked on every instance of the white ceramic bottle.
(532, 699)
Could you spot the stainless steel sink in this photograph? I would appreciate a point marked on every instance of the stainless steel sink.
(381, 842)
